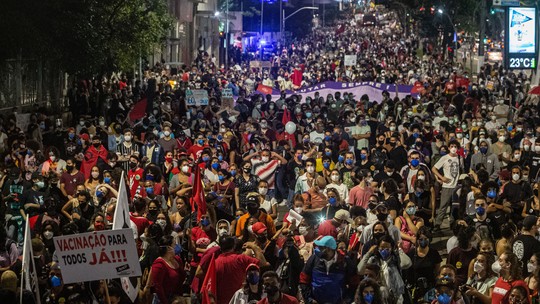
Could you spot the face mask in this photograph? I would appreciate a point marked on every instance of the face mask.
(185, 169)
(385, 254)
(492, 194)
(480, 211)
(127, 138)
(95, 174)
(149, 190)
(444, 299)
(48, 235)
(215, 166)
(162, 223)
(440, 113)
(392, 128)
(421, 177)
(69, 168)
(382, 217)
(253, 278)
(335, 178)
(483, 150)
(265, 159)
(478, 267)
(166, 133)
(453, 150)
(200, 142)
(411, 210)
(326, 166)
(459, 135)
(531, 267)
(233, 172)
(223, 232)
(332, 201)
(368, 298)
(515, 177)
(496, 267)
(247, 170)
(310, 169)
(263, 191)
(132, 165)
(415, 162)
(303, 230)
(271, 290)
(52, 158)
(389, 173)
(423, 243)
(341, 158)
(502, 138)
(205, 222)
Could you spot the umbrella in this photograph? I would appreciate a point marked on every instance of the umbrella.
(535, 90)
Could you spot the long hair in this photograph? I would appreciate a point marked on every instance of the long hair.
(377, 297)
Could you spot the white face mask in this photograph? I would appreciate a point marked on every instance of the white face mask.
(48, 235)
(453, 150)
(478, 267)
(526, 147)
(52, 158)
(515, 177)
(185, 169)
(421, 177)
(263, 191)
(223, 232)
(517, 156)
(502, 138)
(166, 133)
(303, 230)
(310, 169)
(298, 209)
(95, 174)
(334, 178)
(392, 128)
(162, 223)
(265, 159)
(531, 267)
(127, 138)
(101, 123)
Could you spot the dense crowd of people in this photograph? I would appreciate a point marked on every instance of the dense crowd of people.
(367, 183)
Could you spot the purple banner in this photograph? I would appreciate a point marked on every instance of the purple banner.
(372, 89)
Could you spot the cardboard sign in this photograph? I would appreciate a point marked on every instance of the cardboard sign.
(196, 97)
(350, 60)
(226, 93)
(99, 255)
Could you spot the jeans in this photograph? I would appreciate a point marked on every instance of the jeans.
(446, 200)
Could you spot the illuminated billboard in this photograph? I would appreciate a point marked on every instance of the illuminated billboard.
(520, 38)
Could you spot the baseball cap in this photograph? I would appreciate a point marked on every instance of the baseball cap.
(252, 266)
(258, 228)
(445, 281)
(343, 215)
(529, 221)
(459, 130)
(85, 137)
(326, 241)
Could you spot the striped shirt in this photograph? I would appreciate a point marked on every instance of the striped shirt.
(123, 150)
(266, 171)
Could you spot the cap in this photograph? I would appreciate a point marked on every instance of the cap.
(252, 266)
(84, 136)
(326, 241)
(459, 130)
(445, 281)
(15, 171)
(343, 215)
(258, 228)
(252, 199)
(211, 196)
(529, 222)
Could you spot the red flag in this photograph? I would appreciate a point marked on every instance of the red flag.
(209, 287)
(286, 117)
(297, 77)
(264, 89)
(197, 197)
(138, 111)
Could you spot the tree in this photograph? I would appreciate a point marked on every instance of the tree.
(87, 37)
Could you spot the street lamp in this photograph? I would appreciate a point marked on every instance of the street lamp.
(292, 14)
(441, 12)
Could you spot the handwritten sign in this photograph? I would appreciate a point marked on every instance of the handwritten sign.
(350, 60)
(196, 97)
(99, 255)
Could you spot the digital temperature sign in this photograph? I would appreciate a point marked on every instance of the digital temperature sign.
(520, 38)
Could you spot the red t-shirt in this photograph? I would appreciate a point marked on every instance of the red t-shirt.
(285, 299)
(501, 289)
(230, 274)
(166, 280)
(327, 228)
(195, 151)
(134, 178)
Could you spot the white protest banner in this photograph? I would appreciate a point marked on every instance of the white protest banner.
(350, 60)
(29, 279)
(121, 220)
(97, 255)
(196, 97)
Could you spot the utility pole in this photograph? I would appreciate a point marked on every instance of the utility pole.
(482, 34)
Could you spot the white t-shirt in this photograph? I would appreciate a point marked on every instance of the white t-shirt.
(268, 203)
(361, 130)
(316, 137)
(451, 169)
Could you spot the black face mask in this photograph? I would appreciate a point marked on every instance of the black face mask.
(69, 168)
(382, 217)
(381, 142)
(252, 208)
(378, 235)
(96, 145)
(262, 238)
(132, 165)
